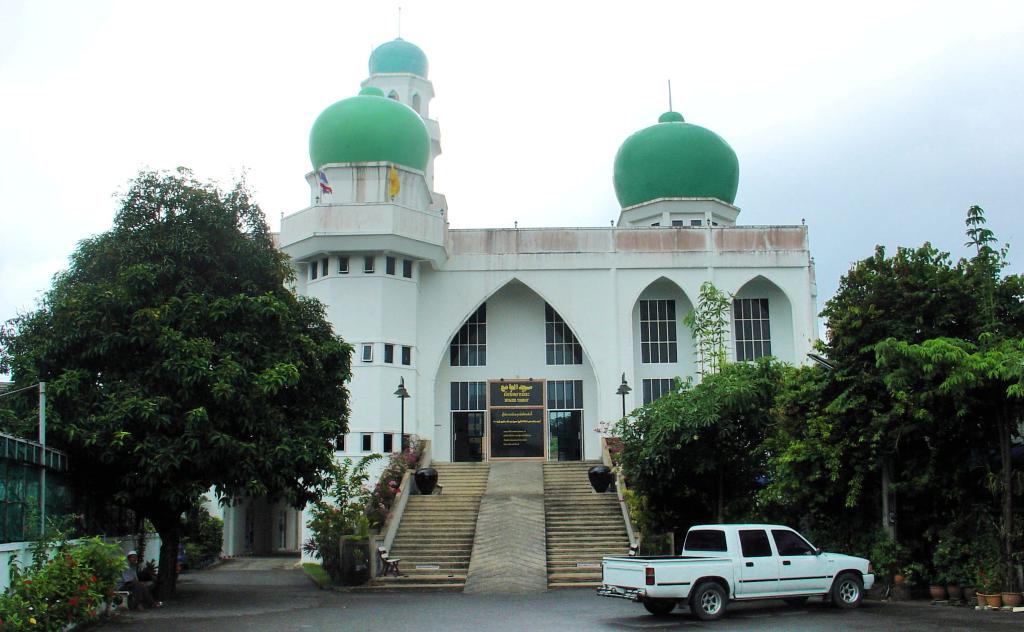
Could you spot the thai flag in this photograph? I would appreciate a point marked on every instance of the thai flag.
(324, 186)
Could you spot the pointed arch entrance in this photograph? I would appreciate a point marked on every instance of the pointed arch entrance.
(516, 338)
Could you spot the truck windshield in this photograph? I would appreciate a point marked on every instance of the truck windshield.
(705, 540)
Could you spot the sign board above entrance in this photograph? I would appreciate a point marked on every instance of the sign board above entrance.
(519, 393)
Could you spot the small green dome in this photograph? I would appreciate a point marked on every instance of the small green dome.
(398, 55)
(369, 128)
(675, 159)
(372, 91)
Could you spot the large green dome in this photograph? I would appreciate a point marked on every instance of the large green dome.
(398, 56)
(675, 159)
(369, 128)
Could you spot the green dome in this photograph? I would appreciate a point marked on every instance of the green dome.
(369, 128)
(398, 56)
(675, 159)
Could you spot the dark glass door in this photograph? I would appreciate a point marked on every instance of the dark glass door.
(566, 442)
(468, 436)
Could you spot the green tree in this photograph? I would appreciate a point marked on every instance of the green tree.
(178, 360)
(341, 513)
(708, 323)
(978, 379)
(873, 419)
(696, 454)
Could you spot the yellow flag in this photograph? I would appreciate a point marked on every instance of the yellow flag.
(394, 186)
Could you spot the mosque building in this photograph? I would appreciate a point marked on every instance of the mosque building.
(515, 343)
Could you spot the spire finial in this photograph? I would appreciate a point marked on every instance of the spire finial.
(669, 95)
(399, 22)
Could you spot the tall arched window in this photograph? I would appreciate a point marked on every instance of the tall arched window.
(416, 103)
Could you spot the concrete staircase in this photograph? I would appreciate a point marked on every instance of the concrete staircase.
(582, 526)
(435, 537)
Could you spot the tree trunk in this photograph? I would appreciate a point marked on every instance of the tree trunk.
(1006, 458)
(721, 494)
(169, 527)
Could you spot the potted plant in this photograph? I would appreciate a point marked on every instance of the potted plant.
(950, 560)
(989, 587)
(937, 588)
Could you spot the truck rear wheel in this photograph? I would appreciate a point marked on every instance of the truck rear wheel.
(659, 607)
(847, 591)
(707, 601)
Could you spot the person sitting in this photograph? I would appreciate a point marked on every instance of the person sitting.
(140, 592)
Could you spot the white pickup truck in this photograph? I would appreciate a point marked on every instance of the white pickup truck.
(736, 562)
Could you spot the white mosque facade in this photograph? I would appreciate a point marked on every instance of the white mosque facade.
(461, 318)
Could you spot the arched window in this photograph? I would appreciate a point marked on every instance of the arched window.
(393, 95)
(416, 103)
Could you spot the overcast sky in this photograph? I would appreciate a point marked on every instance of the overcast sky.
(877, 123)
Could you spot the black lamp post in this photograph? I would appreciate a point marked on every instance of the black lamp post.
(402, 394)
(623, 391)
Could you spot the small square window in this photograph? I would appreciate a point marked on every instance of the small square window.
(655, 224)
(407, 268)
(368, 265)
(323, 266)
(406, 356)
(695, 222)
(339, 443)
(367, 353)
(389, 354)
(677, 222)
(389, 265)
(342, 265)
(367, 441)
(313, 270)
(389, 441)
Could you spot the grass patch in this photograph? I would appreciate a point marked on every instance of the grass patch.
(317, 573)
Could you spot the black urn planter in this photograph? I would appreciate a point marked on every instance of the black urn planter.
(600, 478)
(426, 480)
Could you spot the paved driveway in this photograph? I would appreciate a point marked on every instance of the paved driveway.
(286, 600)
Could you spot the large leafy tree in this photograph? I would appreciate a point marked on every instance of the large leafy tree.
(895, 421)
(978, 378)
(178, 360)
(696, 454)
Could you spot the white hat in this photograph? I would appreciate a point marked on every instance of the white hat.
(131, 553)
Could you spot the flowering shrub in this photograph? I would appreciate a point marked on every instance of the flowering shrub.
(68, 587)
(332, 519)
(378, 507)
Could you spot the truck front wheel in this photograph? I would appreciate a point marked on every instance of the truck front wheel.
(707, 601)
(847, 591)
(659, 607)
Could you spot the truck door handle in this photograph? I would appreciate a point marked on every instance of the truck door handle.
(786, 562)
(750, 564)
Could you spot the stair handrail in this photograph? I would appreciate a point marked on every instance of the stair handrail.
(620, 491)
(391, 524)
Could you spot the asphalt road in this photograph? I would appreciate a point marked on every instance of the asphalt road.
(258, 601)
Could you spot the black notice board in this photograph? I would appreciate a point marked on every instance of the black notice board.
(517, 393)
(517, 432)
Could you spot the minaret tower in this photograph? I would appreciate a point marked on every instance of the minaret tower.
(373, 228)
(399, 69)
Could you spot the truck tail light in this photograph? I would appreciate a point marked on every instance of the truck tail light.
(649, 575)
